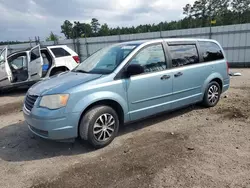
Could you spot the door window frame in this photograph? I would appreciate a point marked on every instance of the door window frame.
(120, 74)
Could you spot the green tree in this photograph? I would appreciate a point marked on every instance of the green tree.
(52, 37)
(104, 30)
(203, 11)
(81, 30)
(77, 30)
(242, 9)
(241, 5)
(200, 12)
(67, 28)
(86, 30)
(223, 13)
(187, 10)
(95, 25)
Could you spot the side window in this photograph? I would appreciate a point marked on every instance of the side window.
(184, 55)
(59, 52)
(211, 51)
(35, 54)
(151, 58)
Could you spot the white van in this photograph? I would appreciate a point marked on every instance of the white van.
(28, 66)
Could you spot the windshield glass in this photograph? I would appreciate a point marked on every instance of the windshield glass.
(106, 60)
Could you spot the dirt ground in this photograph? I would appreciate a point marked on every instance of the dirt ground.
(193, 147)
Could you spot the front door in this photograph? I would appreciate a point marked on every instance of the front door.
(149, 93)
(35, 63)
(5, 71)
(188, 74)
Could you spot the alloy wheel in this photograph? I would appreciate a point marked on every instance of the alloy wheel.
(213, 94)
(104, 127)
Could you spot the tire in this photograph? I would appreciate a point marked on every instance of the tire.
(212, 95)
(94, 120)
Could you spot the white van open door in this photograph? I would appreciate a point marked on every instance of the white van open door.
(35, 63)
(6, 76)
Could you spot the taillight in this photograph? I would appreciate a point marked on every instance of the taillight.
(227, 67)
(77, 59)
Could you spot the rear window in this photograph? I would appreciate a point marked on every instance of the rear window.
(60, 52)
(183, 55)
(211, 51)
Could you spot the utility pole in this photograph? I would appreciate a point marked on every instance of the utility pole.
(210, 30)
(212, 21)
(161, 29)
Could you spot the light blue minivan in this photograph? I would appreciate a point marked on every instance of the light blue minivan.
(123, 83)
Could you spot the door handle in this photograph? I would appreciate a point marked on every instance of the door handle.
(178, 74)
(165, 77)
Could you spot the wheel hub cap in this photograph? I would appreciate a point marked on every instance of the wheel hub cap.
(104, 127)
(213, 94)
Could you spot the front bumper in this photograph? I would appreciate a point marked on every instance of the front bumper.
(52, 124)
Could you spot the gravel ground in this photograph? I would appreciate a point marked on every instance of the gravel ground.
(193, 147)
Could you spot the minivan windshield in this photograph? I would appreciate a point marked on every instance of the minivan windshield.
(106, 60)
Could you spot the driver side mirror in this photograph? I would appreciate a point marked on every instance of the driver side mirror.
(134, 69)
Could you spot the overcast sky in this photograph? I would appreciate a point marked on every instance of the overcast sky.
(21, 19)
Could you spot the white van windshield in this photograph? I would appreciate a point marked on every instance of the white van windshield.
(106, 60)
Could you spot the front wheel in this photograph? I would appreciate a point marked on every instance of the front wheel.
(212, 94)
(99, 126)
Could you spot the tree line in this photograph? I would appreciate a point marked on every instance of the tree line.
(202, 13)
(11, 42)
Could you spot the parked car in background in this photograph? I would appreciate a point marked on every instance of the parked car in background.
(28, 66)
(123, 83)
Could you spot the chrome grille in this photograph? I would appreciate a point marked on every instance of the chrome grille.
(30, 101)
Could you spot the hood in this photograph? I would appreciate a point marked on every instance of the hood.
(61, 82)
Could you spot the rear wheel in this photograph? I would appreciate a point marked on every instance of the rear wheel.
(99, 126)
(212, 94)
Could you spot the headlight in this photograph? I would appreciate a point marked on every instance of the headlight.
(54, 101)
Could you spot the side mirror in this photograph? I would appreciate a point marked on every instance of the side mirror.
(134, 69)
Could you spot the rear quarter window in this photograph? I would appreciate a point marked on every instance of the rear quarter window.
(59, 52)
(210, 51)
